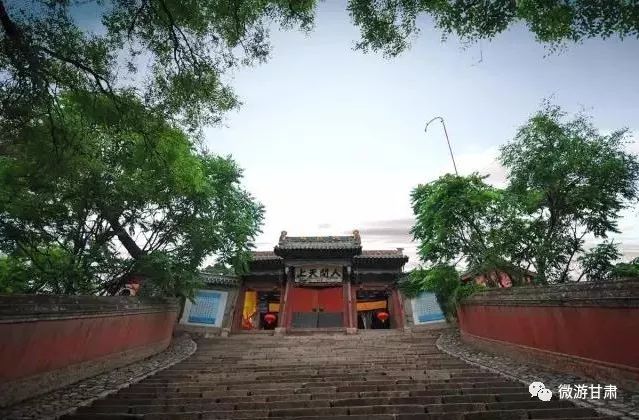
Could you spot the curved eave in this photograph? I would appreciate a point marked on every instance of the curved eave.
(264, 264)
(308, 252)
(362, 261)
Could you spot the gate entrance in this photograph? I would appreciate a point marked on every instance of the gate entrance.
(313, 307)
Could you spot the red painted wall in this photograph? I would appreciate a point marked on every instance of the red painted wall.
(605, 334)
(32, 347)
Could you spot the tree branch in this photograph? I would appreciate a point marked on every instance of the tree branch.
(10, 29)
(132, 248)
(99, 79)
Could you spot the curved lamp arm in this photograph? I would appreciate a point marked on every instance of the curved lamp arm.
(447, 140)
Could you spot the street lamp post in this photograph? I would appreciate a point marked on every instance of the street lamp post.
(447, 140)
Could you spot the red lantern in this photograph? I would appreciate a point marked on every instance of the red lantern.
(383, 316)
(269, 318)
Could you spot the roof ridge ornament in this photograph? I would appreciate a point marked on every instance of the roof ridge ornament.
(283, 235)
(358, 239)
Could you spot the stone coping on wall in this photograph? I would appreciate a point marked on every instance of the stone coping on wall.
(618, 293)
(24, 308)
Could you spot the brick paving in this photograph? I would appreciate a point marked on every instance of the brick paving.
(625, 406)
(377, 375)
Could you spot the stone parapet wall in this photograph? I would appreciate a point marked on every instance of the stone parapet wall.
(620, 293)
(52, 341)
(589, 329)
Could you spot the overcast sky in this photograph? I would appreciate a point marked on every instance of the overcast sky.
(333, 140)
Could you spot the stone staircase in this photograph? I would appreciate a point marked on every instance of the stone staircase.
(376, 375)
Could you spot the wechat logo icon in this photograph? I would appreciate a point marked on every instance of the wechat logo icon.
(539, 390)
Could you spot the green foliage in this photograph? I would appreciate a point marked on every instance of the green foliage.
(172, 55)
(220, 268)
(115, 196)
(444, 282)
(597, 262)
(462, 217)
(14, 275)
(439, 279)
(388, 25)
(629, 269)
(449, 212)
(169, 276)
(566, 180)
(573, 180)
(99, 176)
(465, 290)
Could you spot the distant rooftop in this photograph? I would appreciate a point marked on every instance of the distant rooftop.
(345, 243)
(382, 253)
(319, 242)
(217, 279)
(264, 255)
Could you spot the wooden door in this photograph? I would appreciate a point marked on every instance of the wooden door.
(303, 304)
(316, 308)
(330, 307)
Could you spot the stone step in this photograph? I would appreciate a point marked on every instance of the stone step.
(335, 399)
(352, 406)
(244, 396)
(272, 389)
(433, 379)
(372, 377)
(481, 415)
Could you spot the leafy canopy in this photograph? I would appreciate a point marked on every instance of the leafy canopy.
(444, 282)
(389, 25)
(172, 55)
(573, 182)
(629, 269)
(99, 175)
(113, 196)
(565, 181)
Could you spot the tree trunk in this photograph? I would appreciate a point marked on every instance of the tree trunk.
(10, 28)
(127, 241)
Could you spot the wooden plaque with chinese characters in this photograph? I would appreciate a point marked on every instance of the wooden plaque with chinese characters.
(318, 275)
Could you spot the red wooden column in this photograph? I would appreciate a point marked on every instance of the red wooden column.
(236, 322)
(282, 315)
(284, 299)
(398, 315)
(346, 293)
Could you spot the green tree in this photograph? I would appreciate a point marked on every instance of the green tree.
(463, 219)
(565, 181)
(389, 25)
(172, 55)
(14, 275)
(597, 263)
(626, 269)
(442, 280)
(220, 268)
(573, 180)
(116, 195)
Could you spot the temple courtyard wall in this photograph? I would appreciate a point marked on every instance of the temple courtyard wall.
(48, 342)
(589, 329)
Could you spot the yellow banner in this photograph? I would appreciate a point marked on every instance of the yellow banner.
(273, 307)
(369, 306)
(249, 310)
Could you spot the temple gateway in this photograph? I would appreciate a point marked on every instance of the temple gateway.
(321, 283)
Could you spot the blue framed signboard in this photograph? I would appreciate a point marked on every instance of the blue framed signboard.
(426, 309)
(207, 308)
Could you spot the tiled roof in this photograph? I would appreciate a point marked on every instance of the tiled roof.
(470, 273)
(318, 242)
(215, 279)
(382, 253)
(264, 256)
